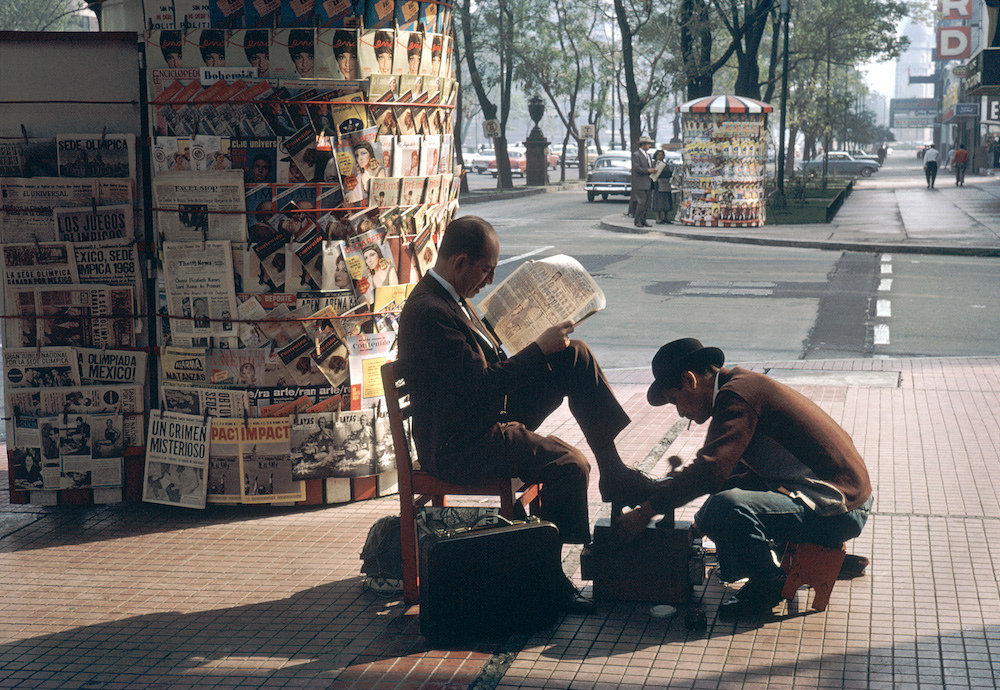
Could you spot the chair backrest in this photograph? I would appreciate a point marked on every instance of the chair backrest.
(397, 403)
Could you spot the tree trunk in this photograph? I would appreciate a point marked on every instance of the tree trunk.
(793, 134)
(459, 125)
(696, 48)
(748, 67)
(635, 105)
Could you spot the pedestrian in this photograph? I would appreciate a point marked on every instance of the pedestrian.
(882, 153)
(931, 165)
(949, 158)
(960, 163)
(642, 184)
(662, 189)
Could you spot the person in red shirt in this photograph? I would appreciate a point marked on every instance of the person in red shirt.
(960, 163)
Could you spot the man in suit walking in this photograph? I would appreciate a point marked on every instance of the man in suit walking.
(475, 409)
(642, 168)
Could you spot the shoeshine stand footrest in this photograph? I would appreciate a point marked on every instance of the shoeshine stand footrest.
(661, 565)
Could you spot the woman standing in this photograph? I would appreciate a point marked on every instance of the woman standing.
(663, 201)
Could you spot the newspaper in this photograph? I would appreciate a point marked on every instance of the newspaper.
(52, 263)
(540, 294)
(71, 401)
(25, 454)
(26, 213)
(244, 368)
(200, 205)
(74, 315)
(333, 444)
(45, 367)
(200, 296)
(183, 365)
(92, 223)
(213, 402)
(264, 456)
(176, 460)
(97, 367)
(96, 155)
(78, 451)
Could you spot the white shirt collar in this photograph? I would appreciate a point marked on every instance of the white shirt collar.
(447, 286)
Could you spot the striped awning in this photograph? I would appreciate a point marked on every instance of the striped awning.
(725, 104)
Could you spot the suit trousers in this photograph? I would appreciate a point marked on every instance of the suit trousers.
(511, 448)
(642, 197)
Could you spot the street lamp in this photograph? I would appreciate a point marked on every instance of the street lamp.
(780, 196)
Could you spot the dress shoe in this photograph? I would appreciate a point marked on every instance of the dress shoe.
(577, 604)
(760, 594)
(626, 487)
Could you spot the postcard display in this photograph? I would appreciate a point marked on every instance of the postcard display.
(725, 156)
(302, 173)
(75, 334)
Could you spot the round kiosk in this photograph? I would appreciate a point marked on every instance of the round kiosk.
(725, 162)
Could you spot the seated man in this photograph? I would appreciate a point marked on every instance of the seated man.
(475, 409)
(802, 479)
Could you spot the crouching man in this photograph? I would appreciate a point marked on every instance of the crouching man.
(778, 469)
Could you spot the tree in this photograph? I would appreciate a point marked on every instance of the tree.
(41, 15)
(649, 27)
(501, 26)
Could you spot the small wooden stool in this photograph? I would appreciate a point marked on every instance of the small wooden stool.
(813, 565)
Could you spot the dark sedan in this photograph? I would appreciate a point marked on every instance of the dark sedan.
(843, 164)
(611, 174)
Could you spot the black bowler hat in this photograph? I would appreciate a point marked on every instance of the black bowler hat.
(673, 359)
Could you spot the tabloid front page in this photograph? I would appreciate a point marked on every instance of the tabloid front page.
(261, 451)
(177, 460)
(45, 367)
(71, 401)
(540, 294)
(73, 315)
(214, 402)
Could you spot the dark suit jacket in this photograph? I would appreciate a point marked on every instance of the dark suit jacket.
(640, 171)
(457, 389)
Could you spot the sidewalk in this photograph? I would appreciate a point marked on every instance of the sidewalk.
(892, 211)
(145, 596)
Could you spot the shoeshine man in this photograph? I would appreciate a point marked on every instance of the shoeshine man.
(777, 468)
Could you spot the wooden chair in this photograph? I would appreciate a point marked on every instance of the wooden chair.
(417, 488)
(813, 565)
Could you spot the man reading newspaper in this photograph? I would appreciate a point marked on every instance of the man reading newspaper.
(475, 409)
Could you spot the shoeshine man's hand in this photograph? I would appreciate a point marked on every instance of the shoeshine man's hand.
(627, 526)
(555, 338)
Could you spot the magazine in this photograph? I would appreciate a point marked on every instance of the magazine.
(176, 460)
(540, 294)
(368, 352)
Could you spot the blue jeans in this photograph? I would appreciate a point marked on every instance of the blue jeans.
(745, 522)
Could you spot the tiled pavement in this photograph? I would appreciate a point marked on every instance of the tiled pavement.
(143, 596)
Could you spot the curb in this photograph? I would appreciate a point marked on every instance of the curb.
(607, 223)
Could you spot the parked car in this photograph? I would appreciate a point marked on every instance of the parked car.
(478, 159)
(551, 159)
(611, 174)
(518, 163)
(858, 154)
(842, 163)
(573, 156)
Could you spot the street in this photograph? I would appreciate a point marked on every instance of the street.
(756, 303)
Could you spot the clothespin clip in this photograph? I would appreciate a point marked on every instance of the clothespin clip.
(337, 417)
(204, 419)
(24, 133)
(104, 134)
(66, 413)
(295, 416)
(246, 418)
(93, 205)
(162, 406)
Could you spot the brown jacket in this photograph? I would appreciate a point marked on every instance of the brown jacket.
(751, 413)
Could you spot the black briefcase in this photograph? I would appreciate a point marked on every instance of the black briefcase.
(487, 583)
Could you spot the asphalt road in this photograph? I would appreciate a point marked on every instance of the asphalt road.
(754, 302)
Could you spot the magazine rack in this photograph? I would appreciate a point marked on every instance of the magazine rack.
(417, 488)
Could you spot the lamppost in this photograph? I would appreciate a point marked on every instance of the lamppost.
(780, 195)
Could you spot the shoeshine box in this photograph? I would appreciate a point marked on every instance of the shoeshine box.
(660, 565)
